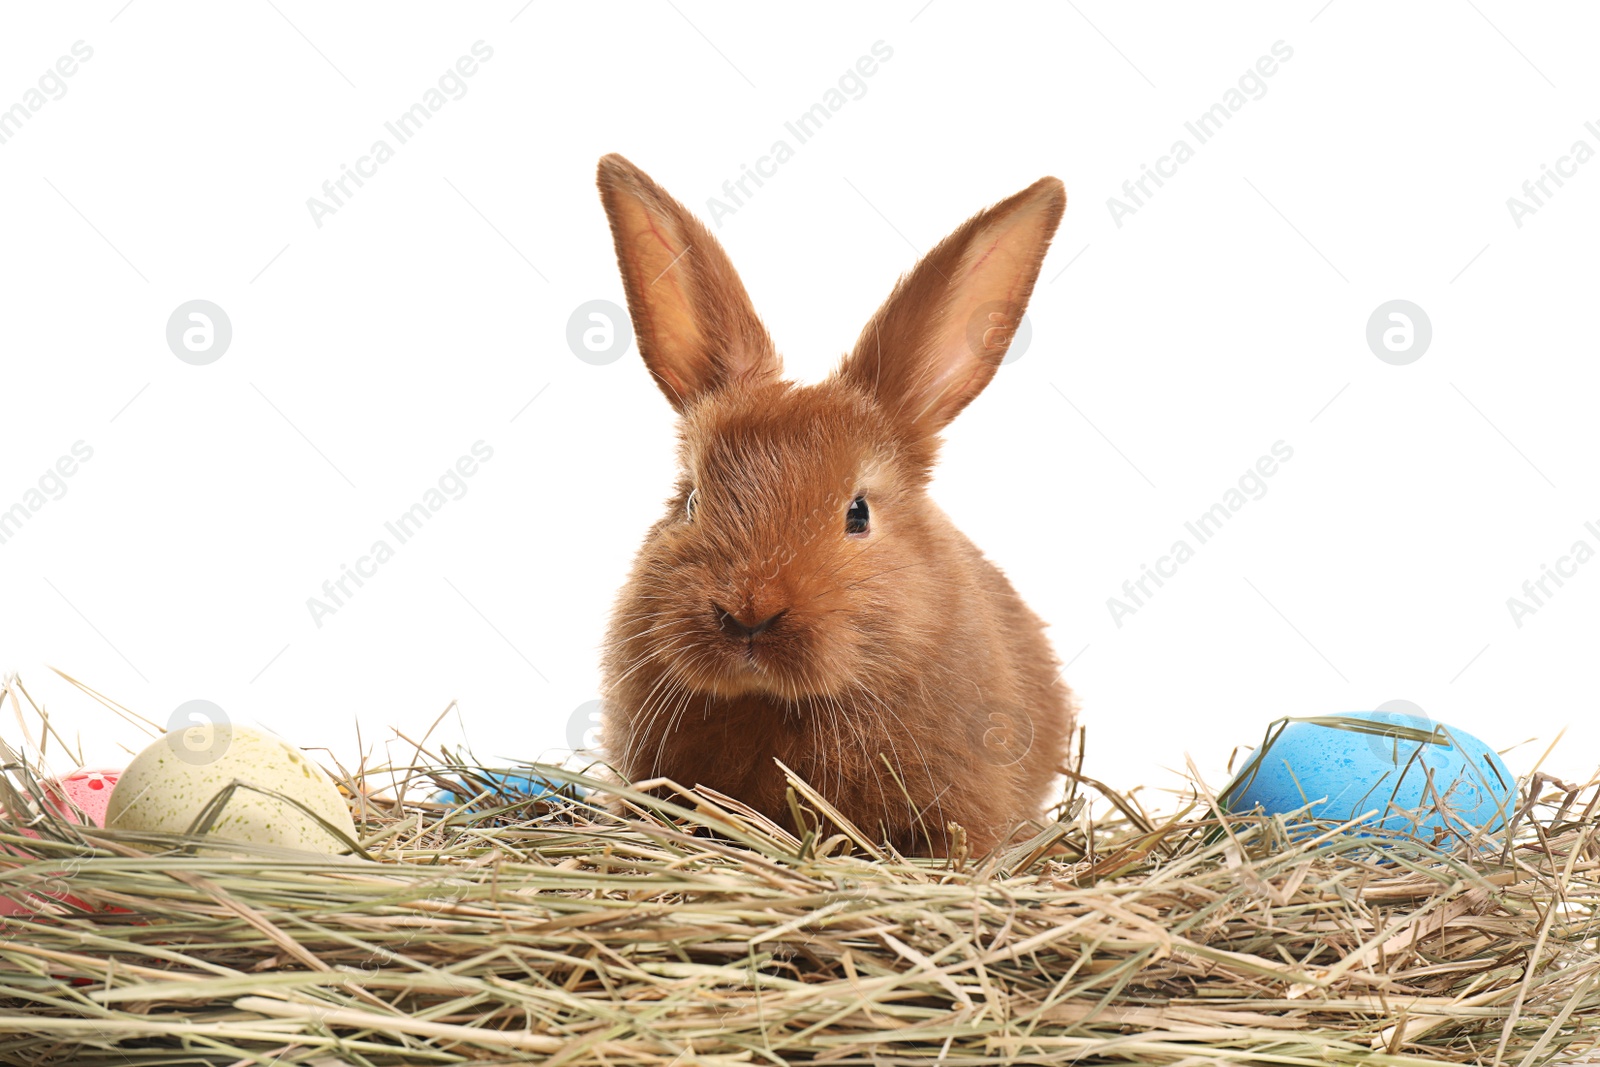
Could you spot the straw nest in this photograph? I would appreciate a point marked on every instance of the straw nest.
(691, 931)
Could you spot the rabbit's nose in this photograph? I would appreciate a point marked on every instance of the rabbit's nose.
(737, 627)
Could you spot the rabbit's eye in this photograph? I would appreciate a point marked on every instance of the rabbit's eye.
(688, 505)
(855, 519)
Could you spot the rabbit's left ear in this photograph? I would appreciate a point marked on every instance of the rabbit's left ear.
(696, 329)
(937, 340)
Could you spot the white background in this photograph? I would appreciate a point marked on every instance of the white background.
(1168, 354)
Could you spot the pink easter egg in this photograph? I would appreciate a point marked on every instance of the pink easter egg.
(81, 796)
(87, 790)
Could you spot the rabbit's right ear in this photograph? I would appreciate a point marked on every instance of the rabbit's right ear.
(938, 339)
(696, 328)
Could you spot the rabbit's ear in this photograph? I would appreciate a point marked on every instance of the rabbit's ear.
(938, 339)
(696, 329)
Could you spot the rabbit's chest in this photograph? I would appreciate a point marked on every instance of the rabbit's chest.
(735, 746)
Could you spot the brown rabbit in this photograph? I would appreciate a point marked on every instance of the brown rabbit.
(803, 600)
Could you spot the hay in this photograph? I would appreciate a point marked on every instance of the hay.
(693, 932)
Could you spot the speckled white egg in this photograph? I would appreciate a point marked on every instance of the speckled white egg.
(167, 786)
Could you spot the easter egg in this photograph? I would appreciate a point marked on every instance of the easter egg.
(168, 785)
(87, 791)
(80, 797)
(1418, 776)
(505, 787)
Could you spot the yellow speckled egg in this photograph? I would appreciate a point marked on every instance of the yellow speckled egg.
(167, 786)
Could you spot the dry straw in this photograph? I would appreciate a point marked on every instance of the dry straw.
(690, 931)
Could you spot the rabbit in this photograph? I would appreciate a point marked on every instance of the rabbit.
(803, 601)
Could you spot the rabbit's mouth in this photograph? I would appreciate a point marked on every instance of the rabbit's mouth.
(754, 656)
(771, 647)
(756, 643)
(744, 654)
(755, 670)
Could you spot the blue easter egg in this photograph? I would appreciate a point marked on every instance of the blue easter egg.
(1360, 763)
(511, 786)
